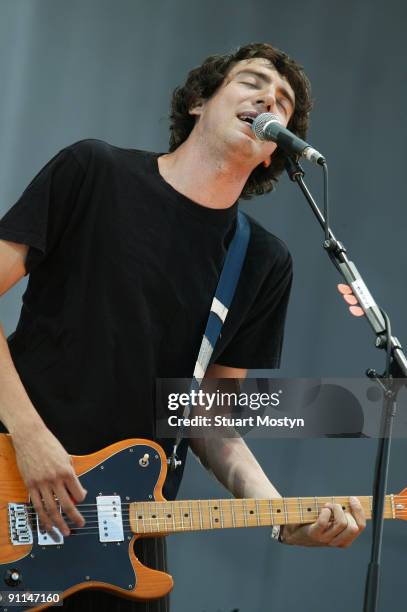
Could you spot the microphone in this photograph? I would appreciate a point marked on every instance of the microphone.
(267, 126)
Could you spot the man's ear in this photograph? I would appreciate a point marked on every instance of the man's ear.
(196, 108)
(267, 162)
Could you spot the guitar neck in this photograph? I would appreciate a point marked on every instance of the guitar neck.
(199, 515)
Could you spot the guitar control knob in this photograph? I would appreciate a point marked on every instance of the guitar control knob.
(12, 577)
(144, 461)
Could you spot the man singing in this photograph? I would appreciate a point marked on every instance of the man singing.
(124, 249)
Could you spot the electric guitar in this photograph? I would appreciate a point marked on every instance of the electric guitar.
(124, 502)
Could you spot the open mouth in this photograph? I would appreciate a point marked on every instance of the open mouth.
(246, 119)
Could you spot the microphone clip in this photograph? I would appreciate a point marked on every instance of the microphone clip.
(293, 168)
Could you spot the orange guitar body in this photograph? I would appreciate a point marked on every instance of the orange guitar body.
(124, 501)
(150, 584)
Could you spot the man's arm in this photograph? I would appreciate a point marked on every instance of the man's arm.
(44, 465)
(230, 459)
(235, 466)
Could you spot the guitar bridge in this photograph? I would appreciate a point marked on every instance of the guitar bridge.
(19, 524)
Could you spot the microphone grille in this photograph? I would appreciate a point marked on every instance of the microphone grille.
(260, 123)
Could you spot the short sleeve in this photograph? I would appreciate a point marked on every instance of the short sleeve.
(42, 213)
(257, 343)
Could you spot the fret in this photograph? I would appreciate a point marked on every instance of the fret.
(263, 513)
(169, 516)
(163, 516)
(158, 513)
(216, 509)
(285, 510)
(301, 509)
(165, 509)
(207, 515)
(310, 513)
(278, 519)
(258, 512)
(136, 519)
(188, 517)
(153, 514)
(147, 518)
(244, 512)
(316, 505)
(252, 515)
(252, 512)
(173, 516)
(200, 515)
(228, 512)
(204, 515)
(270, 504)
(157, 520)
(346, 503)
(143, 514)
(181, 513)
(178, 516)
(232, 509)
(222, 524)
(239, 513)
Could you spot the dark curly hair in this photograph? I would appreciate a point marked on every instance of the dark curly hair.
(203, 81)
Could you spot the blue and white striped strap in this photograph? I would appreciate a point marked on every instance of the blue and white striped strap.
(219, 310)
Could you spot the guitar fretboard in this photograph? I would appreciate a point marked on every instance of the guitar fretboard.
(199, 515)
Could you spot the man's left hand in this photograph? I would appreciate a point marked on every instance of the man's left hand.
(334, 527)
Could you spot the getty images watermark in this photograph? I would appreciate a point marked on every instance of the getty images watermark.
(277, 408)
(214, 404)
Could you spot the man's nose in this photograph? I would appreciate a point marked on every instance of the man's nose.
(267, 103)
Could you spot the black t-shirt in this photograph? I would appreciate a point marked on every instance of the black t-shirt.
(122, 271)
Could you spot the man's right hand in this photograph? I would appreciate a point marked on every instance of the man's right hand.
(47, 471)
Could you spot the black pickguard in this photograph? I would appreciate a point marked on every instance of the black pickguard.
(56, 568)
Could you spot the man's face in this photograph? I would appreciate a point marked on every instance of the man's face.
(251, 87)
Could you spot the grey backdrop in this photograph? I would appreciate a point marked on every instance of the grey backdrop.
(105, 69)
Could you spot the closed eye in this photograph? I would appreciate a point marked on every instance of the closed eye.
(250, 84)
(283, 106)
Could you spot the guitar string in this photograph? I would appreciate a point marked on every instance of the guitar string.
(197, 516)
(206, 508)
(296, 517)
(179, 524)
(234, 500)
(164, 530)
(163, 527)
(166, 506)
(235, 506)
(294, 501)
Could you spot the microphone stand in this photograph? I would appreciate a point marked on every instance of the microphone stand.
(396, 367)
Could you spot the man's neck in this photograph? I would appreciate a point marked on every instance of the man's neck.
(203, 176)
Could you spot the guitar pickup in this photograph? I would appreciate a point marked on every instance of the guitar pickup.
(109, 509)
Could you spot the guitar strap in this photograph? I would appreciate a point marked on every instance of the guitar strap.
(221, 302)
